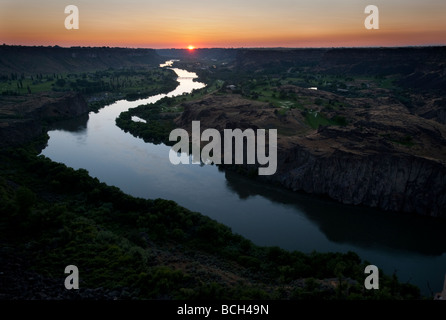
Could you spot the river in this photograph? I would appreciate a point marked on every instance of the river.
(414, 247)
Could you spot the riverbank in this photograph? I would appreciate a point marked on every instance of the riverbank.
(367, 145)
(131, 248)
(126, 247)
(390, 248)
(23, 120)
(24, 116)
(384, 157)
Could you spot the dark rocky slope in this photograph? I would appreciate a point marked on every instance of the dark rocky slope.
(22, 121)
(56, 59)
(419, 72)
(397, 182)
(385, 157)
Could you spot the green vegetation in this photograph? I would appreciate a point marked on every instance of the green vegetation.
(404, 140)
(131, 80)
(98, 87)
(132, 243)
(160, 115)
(407, 140)
(316, 119)
(277, 88)
(158, 126)
(155, 249)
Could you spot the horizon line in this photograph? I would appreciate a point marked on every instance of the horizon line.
(229, 48)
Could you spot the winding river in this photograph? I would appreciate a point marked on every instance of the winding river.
(414, 247)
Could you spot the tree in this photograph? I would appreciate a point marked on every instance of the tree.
(60, 82)
(24, 199)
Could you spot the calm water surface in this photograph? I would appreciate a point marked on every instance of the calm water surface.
(413, 247)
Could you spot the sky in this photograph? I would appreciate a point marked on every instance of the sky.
(223, 23)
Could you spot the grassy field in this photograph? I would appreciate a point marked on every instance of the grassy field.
(99, 87)
(131, 81)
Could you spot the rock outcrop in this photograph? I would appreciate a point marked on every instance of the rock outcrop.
(21, 122)
(385, 157)
(396, 182)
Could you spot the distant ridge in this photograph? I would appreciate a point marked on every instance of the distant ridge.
(24, 59)
(420, 68)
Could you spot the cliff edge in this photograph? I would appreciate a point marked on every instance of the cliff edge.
(381, 156)
(21, 121)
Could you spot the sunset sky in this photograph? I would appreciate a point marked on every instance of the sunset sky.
(228, 23)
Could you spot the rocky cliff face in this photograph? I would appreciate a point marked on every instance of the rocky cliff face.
(397, 182)
(65, 107)
(385, 157)
(21, 122)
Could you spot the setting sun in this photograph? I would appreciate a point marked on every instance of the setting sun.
(191, 47)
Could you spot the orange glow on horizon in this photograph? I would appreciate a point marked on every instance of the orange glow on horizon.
(176, 24)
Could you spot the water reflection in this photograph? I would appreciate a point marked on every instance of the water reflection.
(358, 226)
(78, 124)
(266, 214)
